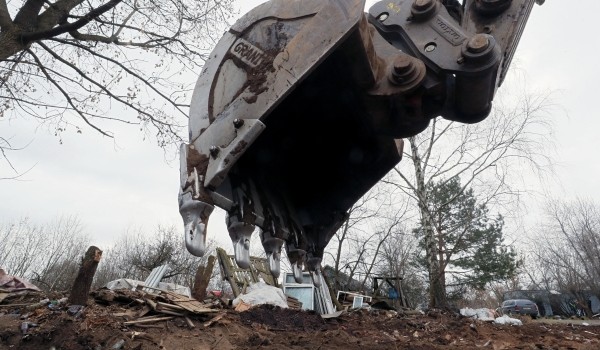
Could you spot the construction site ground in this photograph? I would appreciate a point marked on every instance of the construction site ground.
(103, 326)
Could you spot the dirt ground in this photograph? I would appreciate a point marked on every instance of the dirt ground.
(102, 327)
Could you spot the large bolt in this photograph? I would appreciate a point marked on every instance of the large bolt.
(422, 4)
(479, 48)
(403, 64)
(404, 71)
(423, 9)
(478, 43)
(492, 7)
(214, 151)
(238, 123)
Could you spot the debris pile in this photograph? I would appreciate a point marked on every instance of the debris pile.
(135, 319)
(152, 308)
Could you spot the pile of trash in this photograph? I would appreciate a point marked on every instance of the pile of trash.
(489, 315)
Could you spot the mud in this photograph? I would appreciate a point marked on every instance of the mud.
(269, 327)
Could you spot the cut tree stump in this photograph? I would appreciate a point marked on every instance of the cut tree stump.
(202, 279)
(85, 276)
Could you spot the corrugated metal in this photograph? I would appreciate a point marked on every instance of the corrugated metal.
(155, 277)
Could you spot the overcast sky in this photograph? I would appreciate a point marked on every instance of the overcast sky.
(112, 185)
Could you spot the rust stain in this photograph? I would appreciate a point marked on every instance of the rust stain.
(199, 161)
(239, 148)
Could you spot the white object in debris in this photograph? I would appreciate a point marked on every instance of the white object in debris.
(479, 314)
(126, 283)
(508, 320)
(261, 293)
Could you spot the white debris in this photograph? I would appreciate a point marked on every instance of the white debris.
(508, 320)
(479, 314)
(126, 283)
(261, 293)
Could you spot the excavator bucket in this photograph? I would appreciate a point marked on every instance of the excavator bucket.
(302, 105)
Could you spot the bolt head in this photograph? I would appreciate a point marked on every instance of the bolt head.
(478, 43)
(423, 9)
(402, 64)
(237, 123)
(423, 4)
(214, 151)
(430, 47)
(492, 7)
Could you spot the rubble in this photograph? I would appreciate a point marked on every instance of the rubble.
(134, 319)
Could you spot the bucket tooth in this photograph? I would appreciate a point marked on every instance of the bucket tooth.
(314, 267)
(274, 263)
(298, 273)
(296, 257)
(195, 216)
(240, 233)
(272, 247)
(316, 278)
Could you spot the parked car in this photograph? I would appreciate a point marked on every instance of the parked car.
(520, 307)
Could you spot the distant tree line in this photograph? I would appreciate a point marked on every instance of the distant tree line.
(49, 254)
(565, 254)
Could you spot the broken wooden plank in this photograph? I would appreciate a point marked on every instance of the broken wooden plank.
(151, 303)
(150, 326)
(148, 320)
(129, 314)
(144, 311)
(202, 279)
(214, 319)
(191, 305)
(242, 307)
(168, 312)
(189, 322)
(169, 306)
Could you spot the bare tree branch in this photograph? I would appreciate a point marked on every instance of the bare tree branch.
(69, 27)
(65, 94)
(6, 22)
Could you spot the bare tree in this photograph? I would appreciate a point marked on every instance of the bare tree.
(101, 63)
(484, 156)
(358, 246)
(22, 241)
(353, 230)
(137, 252)
(6, 147)
(568, 250)
(47, 254)
(397, 260)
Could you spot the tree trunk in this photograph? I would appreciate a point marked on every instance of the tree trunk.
(437, 290)
(203, 275)
(85, 276)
